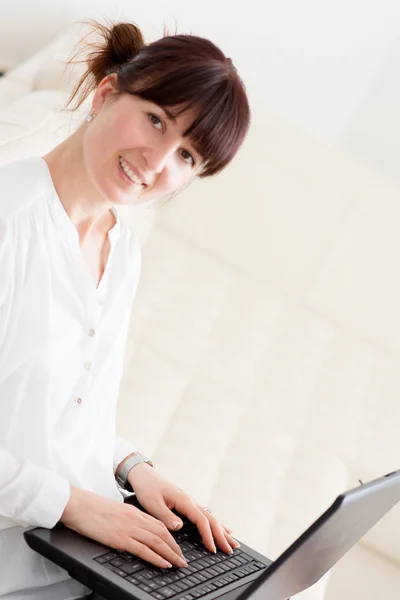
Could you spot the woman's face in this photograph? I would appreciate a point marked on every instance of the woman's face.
(133, 151)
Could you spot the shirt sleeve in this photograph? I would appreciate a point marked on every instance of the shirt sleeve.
(123, 448)
(31, 495)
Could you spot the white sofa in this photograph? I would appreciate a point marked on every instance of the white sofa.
(262, 362)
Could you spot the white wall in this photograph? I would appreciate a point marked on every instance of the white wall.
(310, 61)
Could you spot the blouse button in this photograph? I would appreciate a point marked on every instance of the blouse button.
(91, 332)
(78, 401)
(88, 365)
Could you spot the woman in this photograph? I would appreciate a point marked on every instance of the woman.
(162, 114)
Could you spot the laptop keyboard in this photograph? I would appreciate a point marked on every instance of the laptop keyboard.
(205, 573)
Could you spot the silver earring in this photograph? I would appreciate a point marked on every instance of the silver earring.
(90, 117)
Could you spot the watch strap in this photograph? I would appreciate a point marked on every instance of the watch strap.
(136, 459)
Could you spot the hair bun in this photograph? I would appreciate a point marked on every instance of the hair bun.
(124, 42)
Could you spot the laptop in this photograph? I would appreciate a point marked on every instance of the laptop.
(246, 573)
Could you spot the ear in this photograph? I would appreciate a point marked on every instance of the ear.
(106, 87)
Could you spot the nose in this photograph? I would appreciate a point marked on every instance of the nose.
(158, 155)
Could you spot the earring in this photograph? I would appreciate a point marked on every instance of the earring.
(90, 117)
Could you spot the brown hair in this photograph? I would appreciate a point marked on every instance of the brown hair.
(176, 70)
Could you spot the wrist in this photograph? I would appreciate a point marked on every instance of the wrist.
(129, 464)
(136, 471)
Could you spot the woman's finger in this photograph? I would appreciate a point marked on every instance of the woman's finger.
(185, 505)
(221, 537)
(158, 528)
(158, 546)
(142, 551)
(232, 541)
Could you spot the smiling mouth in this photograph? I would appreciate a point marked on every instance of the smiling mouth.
(129, 173)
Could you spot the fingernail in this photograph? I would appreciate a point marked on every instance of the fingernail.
(175, 524)
(182, 562)
(167, 565)
(236, 544)
(215, 549)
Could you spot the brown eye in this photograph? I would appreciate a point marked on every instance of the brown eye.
(156, 121)
(187, 157)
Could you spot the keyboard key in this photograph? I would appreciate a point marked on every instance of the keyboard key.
(131, 579)
(181, 585)
(137, 568)
(127, 569)
(173, 576)
(160, 581)
(184, 583)
(113, 569)
(118, 572)
(142, 577)
(147, 574)
(253, 568)
(101, 559)
(206, 589)
(186, 547)
(224, 567)
(109, 556)
(210, 560)
(166, 592)
(202, 577)
(145, 588)
(243, 558)
(155, 572)
(117, 562)
(176, 587)
(191, 555)
(152, 585)
(201, 563)
(234, 562)
(246, 569)
(179, 575)
(213, 572)
(242, 573)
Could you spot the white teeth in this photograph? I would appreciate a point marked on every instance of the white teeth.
(128, 171)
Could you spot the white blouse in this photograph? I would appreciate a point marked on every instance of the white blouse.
(62, 344)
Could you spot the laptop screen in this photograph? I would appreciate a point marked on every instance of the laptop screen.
(349, 518)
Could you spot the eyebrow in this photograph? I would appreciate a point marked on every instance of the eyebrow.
(168, 114)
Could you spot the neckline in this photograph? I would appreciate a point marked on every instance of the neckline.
(60, 215)
(113, 233)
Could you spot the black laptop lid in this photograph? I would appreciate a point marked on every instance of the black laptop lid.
(349, 518)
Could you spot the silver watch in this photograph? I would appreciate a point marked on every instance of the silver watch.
(122, 477)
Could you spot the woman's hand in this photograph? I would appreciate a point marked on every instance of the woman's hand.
(158, 496)
(121, 526)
